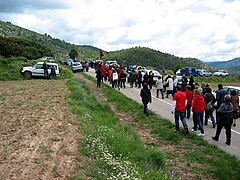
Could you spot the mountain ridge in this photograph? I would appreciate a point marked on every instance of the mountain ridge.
(230, 65)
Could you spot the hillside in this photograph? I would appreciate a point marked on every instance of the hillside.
(149, 57)
(17, 47)
(59, 47)
(137, 55)
(231, 65)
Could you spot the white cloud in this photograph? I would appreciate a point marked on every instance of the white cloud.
(188, 28)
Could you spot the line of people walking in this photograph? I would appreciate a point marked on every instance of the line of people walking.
(188, 98)
(201, 101)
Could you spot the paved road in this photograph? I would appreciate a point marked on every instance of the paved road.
(162, 107)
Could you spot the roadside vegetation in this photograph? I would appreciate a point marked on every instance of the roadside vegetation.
(168, 156)
(116, 151)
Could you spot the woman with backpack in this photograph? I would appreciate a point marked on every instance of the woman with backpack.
(209, 100)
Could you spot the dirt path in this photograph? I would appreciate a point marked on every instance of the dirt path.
(38, 132)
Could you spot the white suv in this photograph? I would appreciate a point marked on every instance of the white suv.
(221, 73)
(37, 70)
(204, 72)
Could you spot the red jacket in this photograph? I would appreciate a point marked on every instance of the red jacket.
(189, 96)
(198, 103)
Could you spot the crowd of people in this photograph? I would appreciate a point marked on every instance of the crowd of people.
(188, 97)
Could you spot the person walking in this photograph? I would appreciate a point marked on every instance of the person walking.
(123, 77)
(146, 96)
(220, 93)
(169, 86)
(179, 108)
(235, 103)
(45, 68)
(184, 82)
(198, 106)
(191, 82)
(189, 94)
(159, 85)
(99, 77)
(225, 119)
(150, 79)
(209, 100)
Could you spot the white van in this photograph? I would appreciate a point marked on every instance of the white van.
(37, 70)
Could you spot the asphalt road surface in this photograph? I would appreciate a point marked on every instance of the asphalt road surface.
(163, 107)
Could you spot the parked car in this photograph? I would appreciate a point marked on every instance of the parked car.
(204, 72)
(187, 70)
(229, 89)
(38, 71)
(180, 79)
(77, 66)
(221, 73)
(68, 62)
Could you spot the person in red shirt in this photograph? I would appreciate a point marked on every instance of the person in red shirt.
(189, 94)
(179, 109)
(198, 106)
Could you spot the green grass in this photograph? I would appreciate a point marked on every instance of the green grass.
(213, 79)
(212, 161)
(117, 151)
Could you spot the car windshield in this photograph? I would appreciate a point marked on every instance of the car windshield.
(34, 65)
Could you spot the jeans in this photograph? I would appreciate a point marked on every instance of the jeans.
(182, 115)
(188, 110)
(207, 114)
(161, 90)
(98, 82)
(197, 121)
(145, 109)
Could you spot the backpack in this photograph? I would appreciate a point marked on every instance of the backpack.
(209, 106)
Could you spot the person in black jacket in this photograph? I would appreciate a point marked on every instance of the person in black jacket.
(99, 77)
(220, 93)
(225, 112)
(146, 98)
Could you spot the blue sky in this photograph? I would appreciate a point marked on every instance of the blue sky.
(203, 29)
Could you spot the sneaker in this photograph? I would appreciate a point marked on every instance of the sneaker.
(193, 130)
(187, 131)
(201, 135)
(213, 125)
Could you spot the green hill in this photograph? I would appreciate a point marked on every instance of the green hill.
(17, 47)
(60, 48)
(149, 57)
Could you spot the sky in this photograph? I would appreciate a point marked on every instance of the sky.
(204, 29)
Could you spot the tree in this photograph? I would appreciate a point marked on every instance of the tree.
(73, 54)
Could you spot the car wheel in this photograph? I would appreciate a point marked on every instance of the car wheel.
(27, 74)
